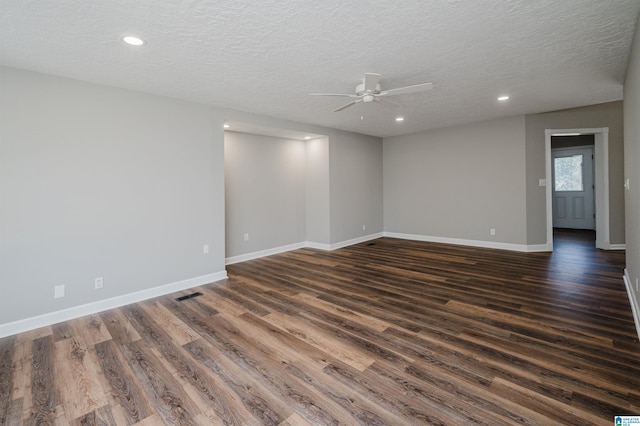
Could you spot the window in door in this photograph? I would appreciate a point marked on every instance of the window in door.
(568, 173)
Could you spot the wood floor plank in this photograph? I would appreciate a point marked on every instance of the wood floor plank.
(119, 326)
(77, 374)
(14, 415)
(270, 371)
(180, 364)
(129, 403)
(295, 420)
(317, 338)
(256, 400)
(164, 391)
(389, 332)
(267, 370)
(548, 407)
(44, 388)
(360, 409)
(22, 371)
(91, 328)
(97, 417)
(7, 350)
(169, 323)
(348, 314)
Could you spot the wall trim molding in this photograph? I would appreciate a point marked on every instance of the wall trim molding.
(263, 253)
(635, 306)
(473, 243)
(304, 244)
(617, 247)
(91, 308)
(358, 240)
(318, 246)
(601, 181)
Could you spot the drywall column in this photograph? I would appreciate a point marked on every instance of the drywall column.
(632, 175)
(317, 193)
(356, 187)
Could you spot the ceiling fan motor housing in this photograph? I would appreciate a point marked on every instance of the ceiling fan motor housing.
(360, 92)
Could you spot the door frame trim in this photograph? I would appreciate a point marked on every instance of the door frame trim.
(601, 179)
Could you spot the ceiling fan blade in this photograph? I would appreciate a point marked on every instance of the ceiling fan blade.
(387, 101)
(347, 105)
(371, 82)
(344, 95)
(408, 89)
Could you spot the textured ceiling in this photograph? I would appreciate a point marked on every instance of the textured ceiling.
(265, 56)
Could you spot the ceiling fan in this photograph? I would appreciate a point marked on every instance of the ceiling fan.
(370, 91)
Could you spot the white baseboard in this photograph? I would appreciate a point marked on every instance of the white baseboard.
(262, 253)
(306, 244)
(536, 248)
(473, 243)
(635, 306)
(606, 245)
(318, 246)
(32, 323)
(617, 247)
(353, 241)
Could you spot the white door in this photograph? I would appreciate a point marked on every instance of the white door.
(573, 188)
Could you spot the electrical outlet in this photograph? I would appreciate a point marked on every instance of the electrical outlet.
(364, 227)
(205, 249)
(492, 231)
(99, 283)
(58, 291)
(246, 237)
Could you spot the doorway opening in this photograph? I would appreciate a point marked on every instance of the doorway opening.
(573, 187)
(600, 184)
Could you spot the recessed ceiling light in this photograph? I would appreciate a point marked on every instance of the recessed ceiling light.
(133, 40)
(503, 98)
(307, 138)
(226, 126)
(399, 118)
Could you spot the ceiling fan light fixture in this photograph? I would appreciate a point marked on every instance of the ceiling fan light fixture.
(369, 91)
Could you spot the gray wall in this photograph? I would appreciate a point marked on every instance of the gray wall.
(356, 185)
(284, 192)
(345, 181)
(265, 192)
(458, 182)
(594, 116)
(317, 191)
(632, 166)
(103, 182)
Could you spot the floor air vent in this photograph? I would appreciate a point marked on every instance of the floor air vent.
(188, 296)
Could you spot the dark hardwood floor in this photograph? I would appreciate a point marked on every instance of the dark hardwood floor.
(387, 332)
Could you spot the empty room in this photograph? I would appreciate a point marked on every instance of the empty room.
(297, 213)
